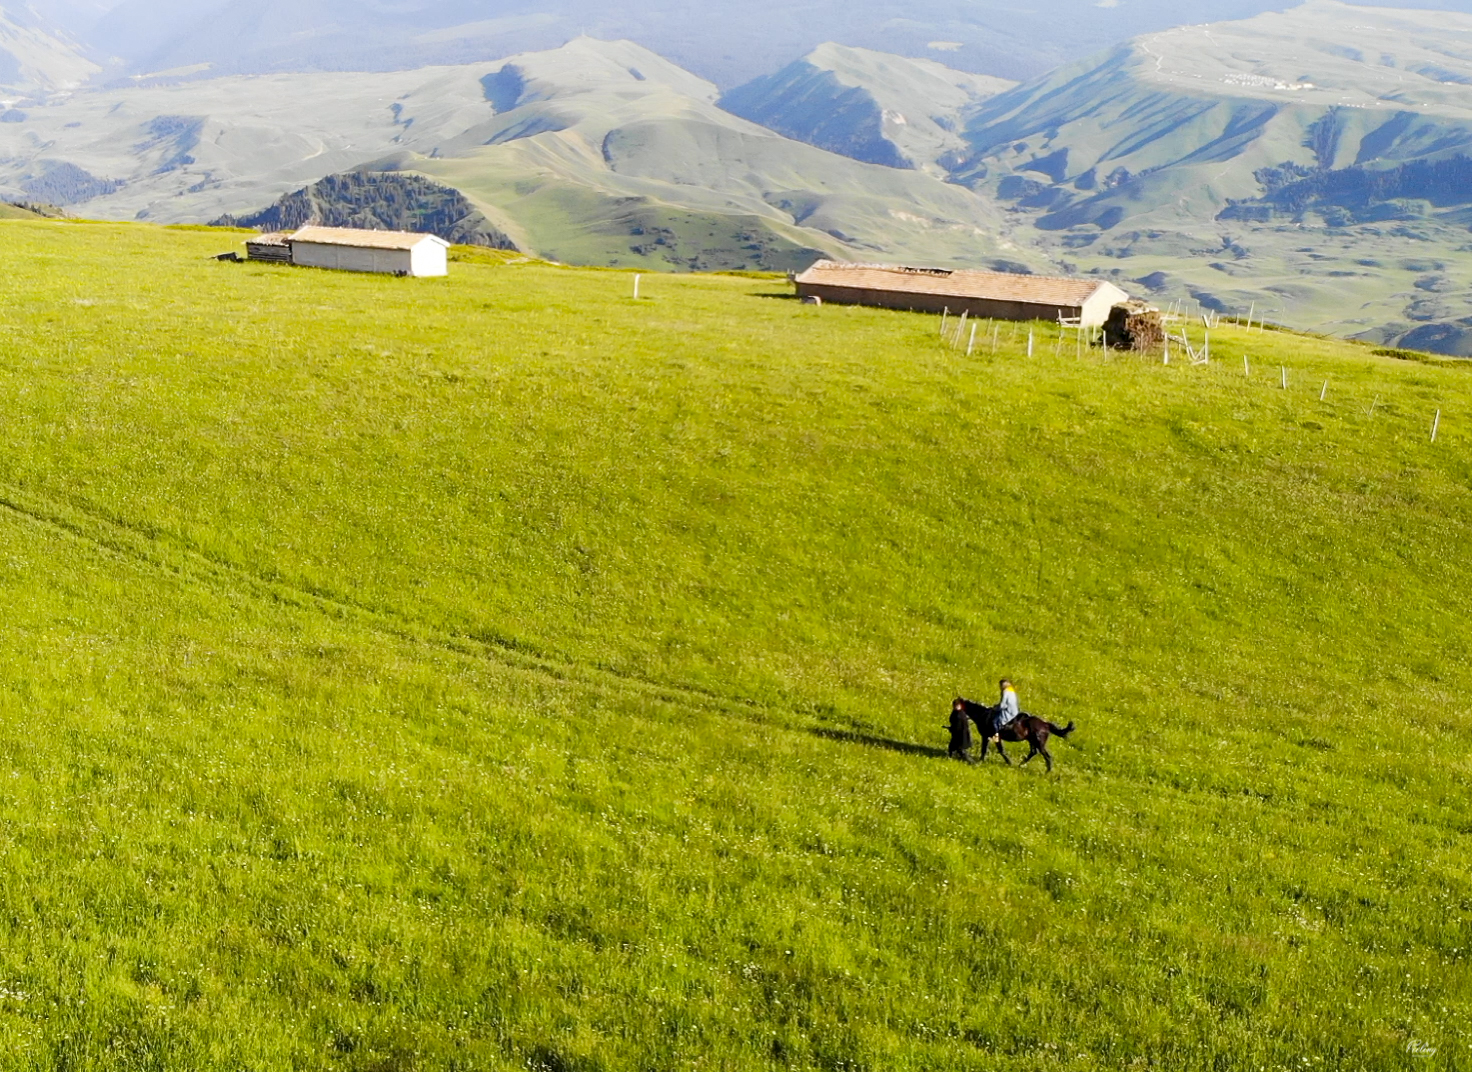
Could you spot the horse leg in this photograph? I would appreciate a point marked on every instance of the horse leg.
(1047, 758)
(1003, 752)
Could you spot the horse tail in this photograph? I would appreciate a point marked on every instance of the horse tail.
(1060, 731)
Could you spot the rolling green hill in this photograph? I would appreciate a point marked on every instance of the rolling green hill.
(603, 153)
(501, 673)
(1173, 160)
(16, 212)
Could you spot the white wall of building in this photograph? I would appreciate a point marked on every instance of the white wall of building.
(428, 258)
(351, 258)
(1096, 310)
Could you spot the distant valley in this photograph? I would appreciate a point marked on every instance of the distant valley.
(1311, 165)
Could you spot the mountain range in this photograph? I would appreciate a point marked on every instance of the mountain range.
(723, 41)
(1311, 164)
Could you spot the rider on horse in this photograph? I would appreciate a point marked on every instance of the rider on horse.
(1007, 709)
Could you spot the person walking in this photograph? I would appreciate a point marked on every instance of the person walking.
(960, 727)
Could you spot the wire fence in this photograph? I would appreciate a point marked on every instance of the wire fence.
(1188, 342)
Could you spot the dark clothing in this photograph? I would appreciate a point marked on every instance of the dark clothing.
(960, 736)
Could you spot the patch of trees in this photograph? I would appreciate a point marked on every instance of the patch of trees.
(66, 184)
(1292, 189)
(379, 201)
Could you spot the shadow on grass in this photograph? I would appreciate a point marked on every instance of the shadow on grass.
(780, 295)
(870, 741)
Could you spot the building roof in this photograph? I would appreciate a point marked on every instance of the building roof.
(275, 238)
(362, 238)
(960, 283)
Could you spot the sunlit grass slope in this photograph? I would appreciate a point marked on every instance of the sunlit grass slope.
(498, 673)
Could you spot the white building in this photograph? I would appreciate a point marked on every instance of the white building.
(354, 250)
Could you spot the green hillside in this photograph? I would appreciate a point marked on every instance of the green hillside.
(501, 673)
(603, 153)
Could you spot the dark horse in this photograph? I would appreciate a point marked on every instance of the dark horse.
(1035, 731)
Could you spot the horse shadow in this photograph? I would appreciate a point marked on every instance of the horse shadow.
(868, 740)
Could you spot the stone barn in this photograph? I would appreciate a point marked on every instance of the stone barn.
(986, 295)
(356, 250)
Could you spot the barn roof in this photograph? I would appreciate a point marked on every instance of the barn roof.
(362, 238)
(959, 283)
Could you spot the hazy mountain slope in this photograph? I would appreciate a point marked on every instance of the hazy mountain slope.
(726, 41)
(195, 151)
(34, 61)
(871, 106)
(1161, 160)
(75, 17)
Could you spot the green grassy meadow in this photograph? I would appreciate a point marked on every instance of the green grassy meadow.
(500, 673)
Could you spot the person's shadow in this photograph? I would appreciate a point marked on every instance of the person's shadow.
(870, 741)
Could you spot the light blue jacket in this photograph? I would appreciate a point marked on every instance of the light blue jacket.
(1007, 711)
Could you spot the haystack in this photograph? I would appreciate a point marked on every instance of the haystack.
(1134, 325)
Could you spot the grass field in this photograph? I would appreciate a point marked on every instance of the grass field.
(498, 673)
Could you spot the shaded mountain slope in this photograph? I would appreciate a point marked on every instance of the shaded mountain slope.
(871, 106)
